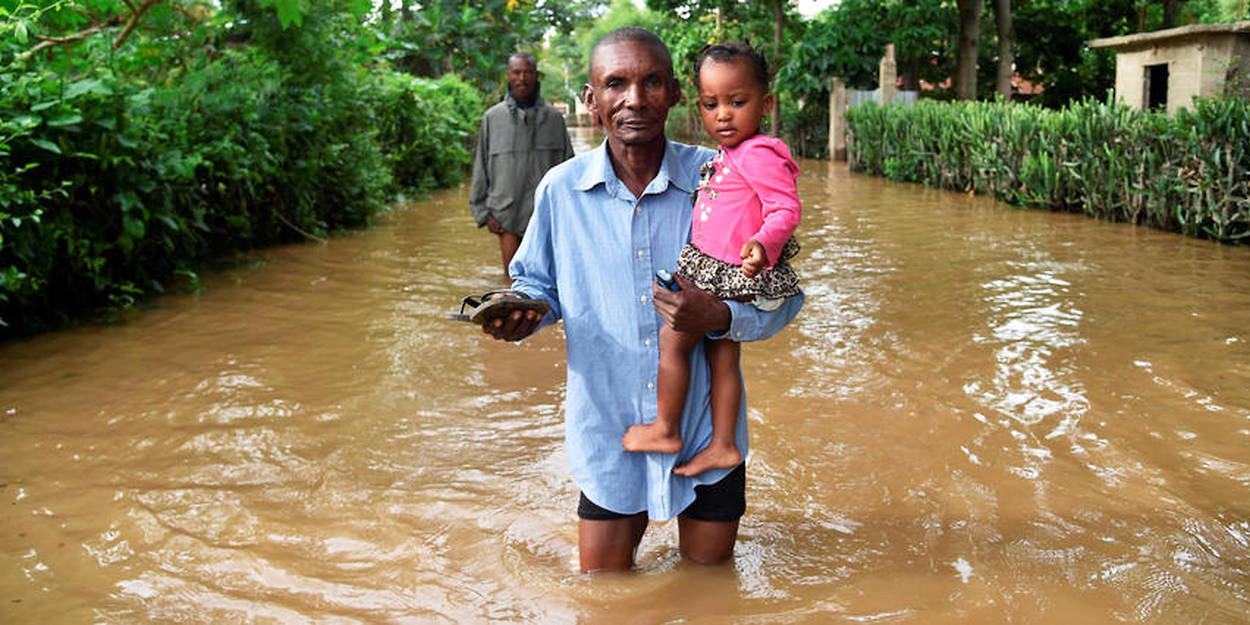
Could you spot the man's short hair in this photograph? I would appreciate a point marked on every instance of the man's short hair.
(641, 35)
(524, 56)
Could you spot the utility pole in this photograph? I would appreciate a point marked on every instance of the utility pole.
(774, 116)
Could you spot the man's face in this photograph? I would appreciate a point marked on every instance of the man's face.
(522, 78)
(631, 89)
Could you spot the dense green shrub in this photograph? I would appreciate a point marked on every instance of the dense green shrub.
(424, 127)
(124, 168)
(1186, 173)
(806, 130)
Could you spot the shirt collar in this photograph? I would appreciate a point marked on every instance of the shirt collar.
(672, 171)
(510, 102)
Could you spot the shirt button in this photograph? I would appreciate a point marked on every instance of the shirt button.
(647, 342)
(650, 385)
(642, 298)
(640, 253)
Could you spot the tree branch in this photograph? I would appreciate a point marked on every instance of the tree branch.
(135, 14)
(187, 13)
(131, 21)
(48, 42)
(296, 228)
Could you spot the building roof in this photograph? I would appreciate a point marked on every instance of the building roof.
(1171, 33)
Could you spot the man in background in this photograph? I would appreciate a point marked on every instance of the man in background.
(519, 140)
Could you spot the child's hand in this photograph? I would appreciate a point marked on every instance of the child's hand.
(754, 258)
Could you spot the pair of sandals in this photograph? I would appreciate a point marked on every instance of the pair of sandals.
(487, 307)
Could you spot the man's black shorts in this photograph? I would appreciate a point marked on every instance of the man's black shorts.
(722, 501)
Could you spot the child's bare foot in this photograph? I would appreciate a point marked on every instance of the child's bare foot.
(651, 437)
(712, 457)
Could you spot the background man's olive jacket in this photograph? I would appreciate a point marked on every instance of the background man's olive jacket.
(515, 147)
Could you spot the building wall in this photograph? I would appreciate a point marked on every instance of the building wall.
(1197, 66)
(1241, 62)
(1222, 54)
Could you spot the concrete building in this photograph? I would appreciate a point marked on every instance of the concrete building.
(1167, 69)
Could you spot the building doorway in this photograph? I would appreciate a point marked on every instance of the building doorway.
(1156, 87)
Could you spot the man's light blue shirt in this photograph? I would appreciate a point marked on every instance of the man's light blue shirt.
(592, 250)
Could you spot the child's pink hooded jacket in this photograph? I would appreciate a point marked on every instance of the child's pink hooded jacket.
(751, 195)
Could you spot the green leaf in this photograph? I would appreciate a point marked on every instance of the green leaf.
(20, 32)
(289, 12)
(127, 201)
(134, 227)
(168, 221)
(65, 120)
(47, 145)
(87, 85)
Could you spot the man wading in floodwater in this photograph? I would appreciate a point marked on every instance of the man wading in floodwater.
(519, 140)
(603, 224)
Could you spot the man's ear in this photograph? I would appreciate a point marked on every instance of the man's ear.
(676, 94)
(588, 98)
(588, 95)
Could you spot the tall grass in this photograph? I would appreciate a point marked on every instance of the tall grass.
(1187, 173)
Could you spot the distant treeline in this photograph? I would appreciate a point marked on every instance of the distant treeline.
(1187, 173)
(113, 185)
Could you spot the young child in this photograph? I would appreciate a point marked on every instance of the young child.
(745, 212)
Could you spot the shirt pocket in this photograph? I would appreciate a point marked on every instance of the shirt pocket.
(502, 147)
(549, 145)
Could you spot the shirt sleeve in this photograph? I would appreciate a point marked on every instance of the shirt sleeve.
(568, 143)
(771, 172)
(748, 323)
(533, 268)
(480, 188)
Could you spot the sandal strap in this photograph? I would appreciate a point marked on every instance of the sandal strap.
(477, 300)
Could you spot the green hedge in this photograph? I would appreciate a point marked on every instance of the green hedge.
(1186, 173)
(110, 187)
(425, 127)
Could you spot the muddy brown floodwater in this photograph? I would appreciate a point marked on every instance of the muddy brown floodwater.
(983, 415)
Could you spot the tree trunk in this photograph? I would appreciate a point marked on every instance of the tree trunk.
(910, 73)
(969, 34)
(1171, 12)
(1006, 56)
(774, 116)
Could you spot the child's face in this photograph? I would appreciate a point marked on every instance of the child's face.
(731, 101)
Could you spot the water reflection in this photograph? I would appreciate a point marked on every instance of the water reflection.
(983, 415)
